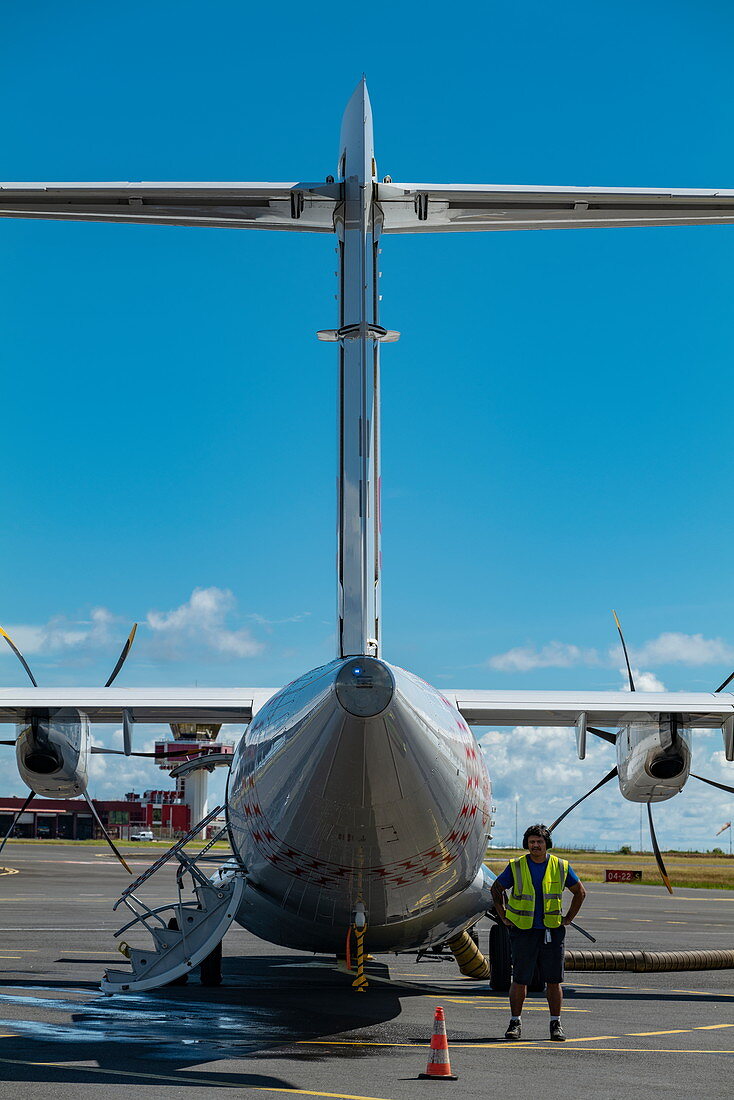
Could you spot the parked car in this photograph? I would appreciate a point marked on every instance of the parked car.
(142, 834)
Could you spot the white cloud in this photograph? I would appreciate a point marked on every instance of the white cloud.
(207, 620)
(552, 655)
(262, 621)
(112, 776)
(61, 634)
(670, 647)
(644, 681)
(686, 649)
(202, 618)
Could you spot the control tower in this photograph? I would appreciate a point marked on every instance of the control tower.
(192, 739)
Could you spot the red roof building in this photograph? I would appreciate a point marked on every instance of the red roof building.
(71, 819)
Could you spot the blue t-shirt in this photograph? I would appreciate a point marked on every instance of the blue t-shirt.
(537, 871)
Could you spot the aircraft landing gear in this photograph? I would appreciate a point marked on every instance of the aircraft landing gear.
(210, 968)
(500, 960)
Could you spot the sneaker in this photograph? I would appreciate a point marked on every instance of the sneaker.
(556, 1031)
(514, 1030)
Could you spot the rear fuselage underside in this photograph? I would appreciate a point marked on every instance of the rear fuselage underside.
(359, 783)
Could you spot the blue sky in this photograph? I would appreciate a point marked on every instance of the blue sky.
(556, 417)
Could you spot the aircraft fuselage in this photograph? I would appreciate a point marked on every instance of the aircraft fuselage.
(360, 783)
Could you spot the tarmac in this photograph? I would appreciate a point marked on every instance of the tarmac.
(287, 1023)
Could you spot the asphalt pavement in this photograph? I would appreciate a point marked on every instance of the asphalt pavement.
(284, 1022)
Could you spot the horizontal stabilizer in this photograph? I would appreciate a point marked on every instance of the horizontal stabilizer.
(299, 207)
(461, 208)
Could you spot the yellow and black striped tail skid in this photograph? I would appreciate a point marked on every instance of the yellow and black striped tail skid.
(470, 959)
(360, 983)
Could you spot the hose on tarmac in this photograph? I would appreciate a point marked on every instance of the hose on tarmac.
(470, 959)
(648, 961)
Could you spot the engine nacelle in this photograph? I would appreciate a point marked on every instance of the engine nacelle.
(653, 757)
(52, 752)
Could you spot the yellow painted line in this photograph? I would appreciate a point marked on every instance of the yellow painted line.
(503, 1007)
(205, 1079)
(710, 1027)
(533, 1045)
(8, 871)
(673, 1031)
(662, 993)
(9, 956)
(615, 1050)
(593, 1038)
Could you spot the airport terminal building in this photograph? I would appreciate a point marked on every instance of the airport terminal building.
(164, 812)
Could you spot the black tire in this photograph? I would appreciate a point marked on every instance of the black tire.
(210, 968)
(500, 959)
(183, 979)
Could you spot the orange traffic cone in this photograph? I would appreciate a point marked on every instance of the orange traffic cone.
(439, 1066)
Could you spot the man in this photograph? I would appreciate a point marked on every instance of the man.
(533, 915)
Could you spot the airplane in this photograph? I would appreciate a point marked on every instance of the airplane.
(53, 747)
(358, 801)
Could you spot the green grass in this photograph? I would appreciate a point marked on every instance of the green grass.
(703, 870)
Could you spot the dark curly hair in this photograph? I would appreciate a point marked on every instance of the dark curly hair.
(538, 830)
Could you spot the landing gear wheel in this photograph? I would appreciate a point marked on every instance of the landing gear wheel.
(210, 968)
(183, 979)
(500, 959)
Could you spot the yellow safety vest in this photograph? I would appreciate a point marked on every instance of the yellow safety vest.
(520, 906)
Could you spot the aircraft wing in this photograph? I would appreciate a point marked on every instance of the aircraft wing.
(237, 705)
(303, 207)
(702, 710)
(457, 208)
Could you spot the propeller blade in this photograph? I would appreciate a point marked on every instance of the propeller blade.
(7, 742)
(22, 810)
(605, 734)
(578, 801)
(101, 751)
(123, 656)
(712, 783)
(19, 655)
(624, 647)
(728, 680)
(656, 850)
(106, 835)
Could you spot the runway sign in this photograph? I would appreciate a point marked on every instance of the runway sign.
(623, 876)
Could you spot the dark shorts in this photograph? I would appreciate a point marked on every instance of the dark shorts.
(529, 947)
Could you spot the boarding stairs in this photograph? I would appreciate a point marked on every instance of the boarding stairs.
(184, 933)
